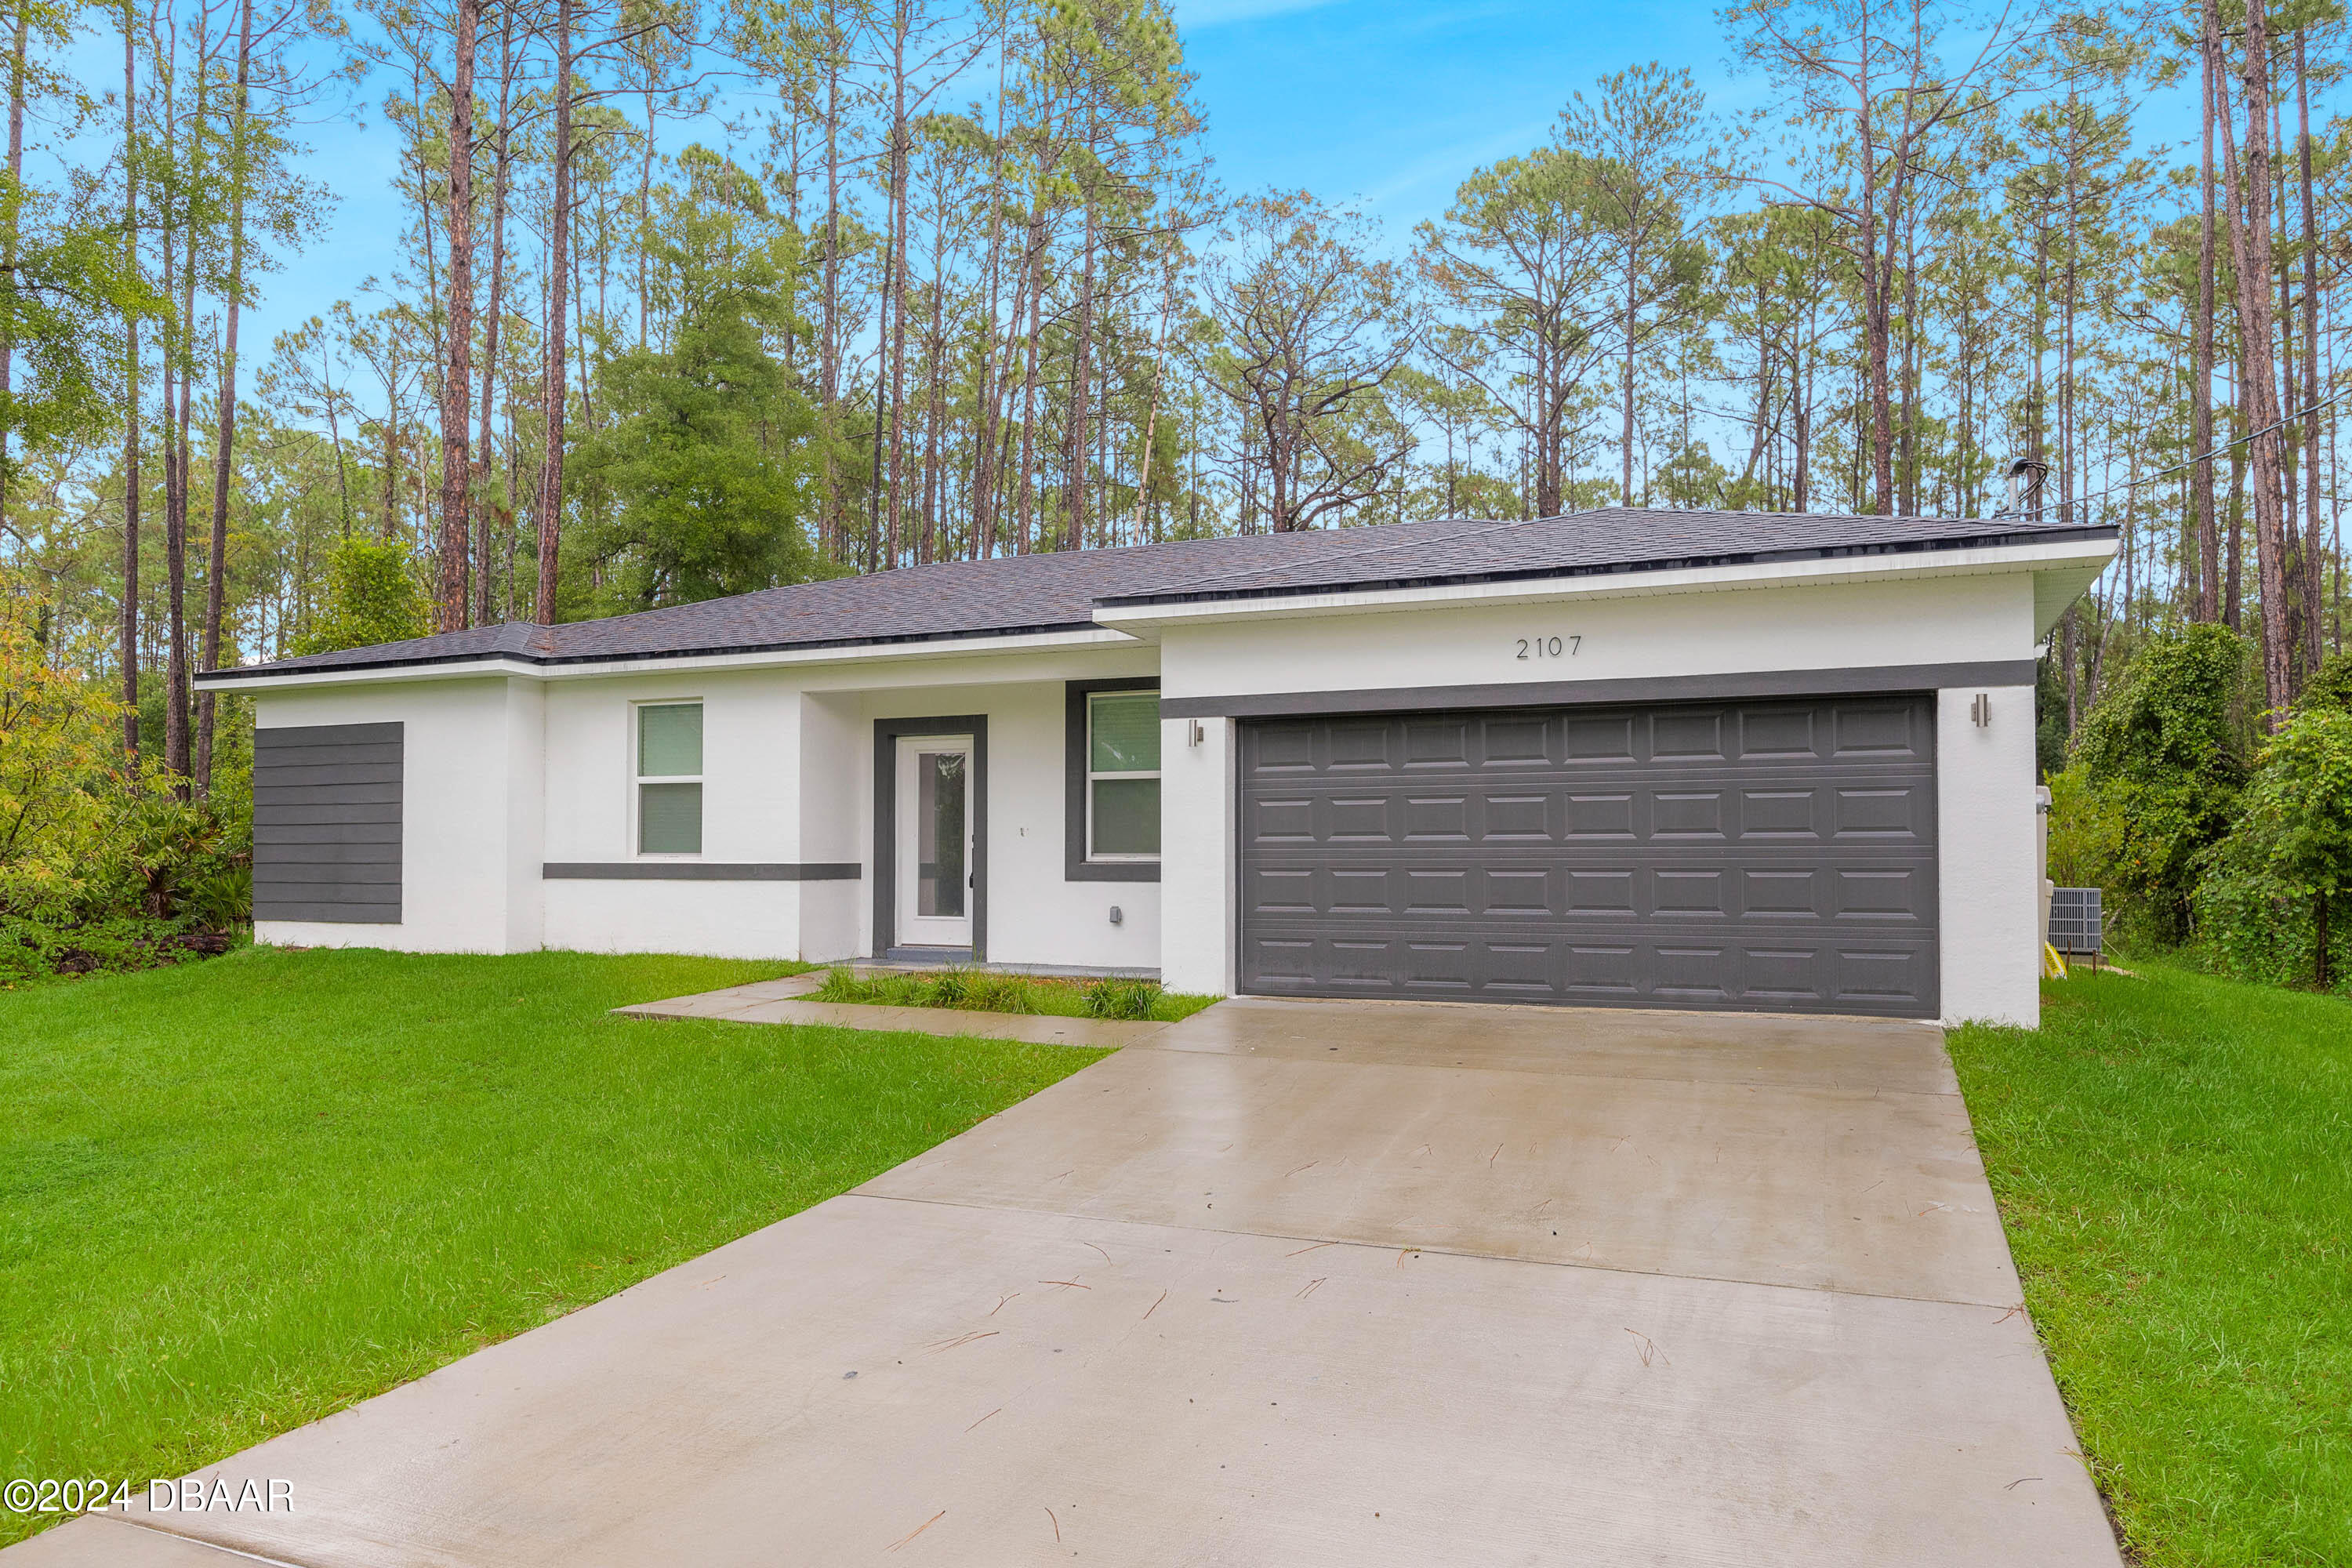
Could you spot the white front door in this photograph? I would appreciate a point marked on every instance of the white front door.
(934, 841)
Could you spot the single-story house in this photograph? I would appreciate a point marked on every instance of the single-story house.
(1623, 757)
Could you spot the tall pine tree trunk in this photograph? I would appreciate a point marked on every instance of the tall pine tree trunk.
(224, 434)
(558, 259)
(1073, 436)
(491, 319)
(2249, 236)
(2208, 542)
(134, 389)
(2315, 609)
(10, 246)
(457, 370)
(1025, 502)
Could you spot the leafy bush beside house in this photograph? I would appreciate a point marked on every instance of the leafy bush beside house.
(102, 867)
(2274, 888)
(2165, 756)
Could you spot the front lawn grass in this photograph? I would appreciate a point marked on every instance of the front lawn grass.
(237, 1195)
(2173, 1158)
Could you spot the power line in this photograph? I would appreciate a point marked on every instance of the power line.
(2180, 468)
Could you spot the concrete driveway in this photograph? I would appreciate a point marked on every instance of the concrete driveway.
(1295, 1283)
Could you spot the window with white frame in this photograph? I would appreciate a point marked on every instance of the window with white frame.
(1123, 776)
(669, 778)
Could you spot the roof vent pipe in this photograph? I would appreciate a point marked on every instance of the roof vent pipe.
(2025, 477)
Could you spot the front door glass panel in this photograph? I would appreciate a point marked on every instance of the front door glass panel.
(940, 796)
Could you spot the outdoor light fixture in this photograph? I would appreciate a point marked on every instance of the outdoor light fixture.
(1198, 734)
(1981, 710)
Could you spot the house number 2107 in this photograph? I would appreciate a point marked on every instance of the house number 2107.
(1548, 648)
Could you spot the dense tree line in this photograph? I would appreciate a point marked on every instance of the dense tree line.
(702, 296)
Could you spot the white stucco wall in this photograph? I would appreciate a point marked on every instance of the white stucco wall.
(1988, 888)
(750, 813)
(1936, 620)
(471, 812)
(1199, 859)
(504, 773)
(1985, 780)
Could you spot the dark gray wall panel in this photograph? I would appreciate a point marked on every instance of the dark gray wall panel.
(1754, 855)
(327, 823)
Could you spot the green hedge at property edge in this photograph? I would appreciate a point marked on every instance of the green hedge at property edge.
(237, 1195)
(2173, 1159)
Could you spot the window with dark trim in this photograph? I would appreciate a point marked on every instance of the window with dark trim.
(1111, 797)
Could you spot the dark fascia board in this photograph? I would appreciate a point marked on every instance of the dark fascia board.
(1608, 569)
(1076, 867)
(886, 821)
(699, 872)
(1759, 684)
(540, 661)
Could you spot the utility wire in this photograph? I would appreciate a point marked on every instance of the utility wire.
(2178, 468)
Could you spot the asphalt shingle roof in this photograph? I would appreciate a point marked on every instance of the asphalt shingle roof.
(1060, 591)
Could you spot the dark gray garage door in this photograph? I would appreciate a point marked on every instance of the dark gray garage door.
(1769, 855)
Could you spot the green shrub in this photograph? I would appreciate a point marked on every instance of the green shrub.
(2086, 832)
(2330, 686)
(2273, 888)
(2165, 754)
(1120, 999)
(102, 867)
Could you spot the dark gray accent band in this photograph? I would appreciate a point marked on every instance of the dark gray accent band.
(886, 822)
(1075, 868)
(326, 822)
(700, 871)
(1639, 689)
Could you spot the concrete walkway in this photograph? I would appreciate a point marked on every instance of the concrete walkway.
(1287, 1284)
(783, 1002)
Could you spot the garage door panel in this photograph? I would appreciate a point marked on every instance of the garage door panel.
(1697, 810)
(1681, 973)
(1438, 742)
(1590, 739)
(1687, 735)
(1360, 746)
(1686, 813)
(1722, 855)
(1508, 817)
(1778, 734)
(1516, 741)
(1784, 814)
(1892, 727)
(1898, 811)
(1367, 818)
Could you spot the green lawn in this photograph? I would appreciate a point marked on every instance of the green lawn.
(2173, 1157)
(237, 1195)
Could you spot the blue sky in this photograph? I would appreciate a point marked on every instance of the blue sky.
(1392, 103)
(1382, 101)
(1385, 102)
